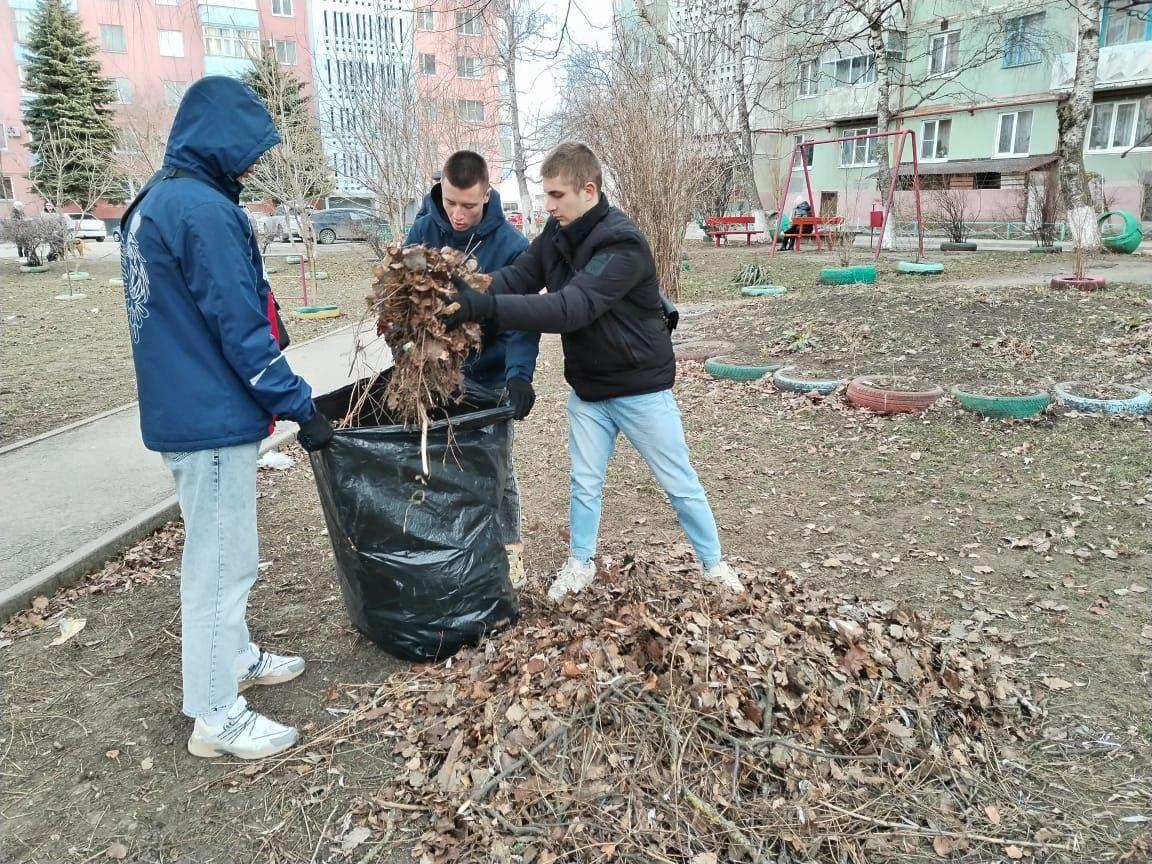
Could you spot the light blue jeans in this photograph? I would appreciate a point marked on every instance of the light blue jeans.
(652, 423)
(217, 491)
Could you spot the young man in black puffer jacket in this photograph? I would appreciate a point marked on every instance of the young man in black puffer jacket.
(604, 298)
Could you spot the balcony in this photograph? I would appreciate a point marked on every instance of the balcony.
(848, 103)
(1120, 66)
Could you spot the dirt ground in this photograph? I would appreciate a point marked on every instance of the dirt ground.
(1037, 535)
(67, 360)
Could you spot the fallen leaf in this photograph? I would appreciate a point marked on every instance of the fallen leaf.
(146, 764)
(515, 713)
(1056, 683)
(983, 569)
(69, 627)
(833, 563)
(354, 838)
(944, 846)
(705, 858)
(39, 604)
(993, 814)
(113, 754)
(1014, 852)
(117, 851)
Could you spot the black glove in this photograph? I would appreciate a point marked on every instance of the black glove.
(671, 313)
(315, 434)
(521, 397)
(474, 306)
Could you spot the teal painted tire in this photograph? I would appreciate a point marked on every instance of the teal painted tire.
(1128, 239)
(1139, 402)
(727, 369)
(764, 291)
(847, 275)
(922, 268)
(1003, 407)
(78, 276)
(39, 268)
(786, 379)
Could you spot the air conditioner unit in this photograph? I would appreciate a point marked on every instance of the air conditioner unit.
(12, 131)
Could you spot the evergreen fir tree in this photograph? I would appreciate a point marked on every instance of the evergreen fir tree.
(281, 92)
(69, 108)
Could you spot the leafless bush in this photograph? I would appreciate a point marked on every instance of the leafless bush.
(31, 236)
(1040, 207)
(951, 211)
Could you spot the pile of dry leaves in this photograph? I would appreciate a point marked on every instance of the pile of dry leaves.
(413, 289)
(656, 719)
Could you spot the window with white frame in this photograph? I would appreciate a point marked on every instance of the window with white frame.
(808, 79)
(171, 43)
(1023, 40)
(425, 20)
(22, 24)
(427, 64)
(470, 67)
(167, 2)
(3, 137)
(1125, 22)
(944, 52)
(861, 151)
(471, 111)
(285, 51)
(5, 188)
(934, 137)
(231, 41)
(112, 39)
(1014, 134)
(123, 88)
(808, 152)
(282, 8)
(468, 23)
(174, 92)
(857, 71)
(1116, 126)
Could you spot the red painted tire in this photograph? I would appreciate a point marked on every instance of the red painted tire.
(863, 393)
(1087, 283)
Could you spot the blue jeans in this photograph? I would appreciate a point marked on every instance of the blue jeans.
(652, 423)
(217, 492)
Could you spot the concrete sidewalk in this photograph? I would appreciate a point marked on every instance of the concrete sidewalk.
(74, 497)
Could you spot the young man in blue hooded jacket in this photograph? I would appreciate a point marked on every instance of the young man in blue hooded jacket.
(464, 212)
(211, 379)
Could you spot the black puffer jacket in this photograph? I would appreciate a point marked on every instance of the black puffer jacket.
(603, 296)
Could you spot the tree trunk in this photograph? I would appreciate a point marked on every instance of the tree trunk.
(883, 116)
(1073, 117)
(519, 159)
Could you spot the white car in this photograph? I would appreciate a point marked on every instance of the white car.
(87, 227)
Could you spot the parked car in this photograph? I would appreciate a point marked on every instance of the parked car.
(87, 227)
(346, 223)
(280, 226)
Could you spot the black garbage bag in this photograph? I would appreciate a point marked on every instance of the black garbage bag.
(421, 562)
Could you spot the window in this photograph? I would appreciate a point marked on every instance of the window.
(174, 92)
(934, 139)
(127, 141)
(167, 2)
(469, 67)
(22, 24)
(425, 20)
(231, 42)
(812, 10)
(427, 64)
(808, 151)
(112, 38)
(858, 70)
(986, 180)
(283, 8)
(861, 151)
(123, 88)
(285, 51)
(1015, 134)
(468, 23)
(944, 52)
(1115, 126)
(1129, 22)
(171, 43)
(808, 79)
(1022, 40)
(471, 111)
(6, 189)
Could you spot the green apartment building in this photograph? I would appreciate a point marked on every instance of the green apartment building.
(979, 84)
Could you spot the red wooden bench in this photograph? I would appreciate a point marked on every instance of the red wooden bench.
(721, 226)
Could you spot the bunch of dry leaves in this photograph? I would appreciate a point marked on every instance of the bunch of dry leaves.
(656, 719)
(412, 291)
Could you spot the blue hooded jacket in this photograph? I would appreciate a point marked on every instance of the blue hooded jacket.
(208, 371)
(494, 244)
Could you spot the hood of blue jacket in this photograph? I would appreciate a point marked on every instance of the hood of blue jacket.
(221, 129)
(489, 224)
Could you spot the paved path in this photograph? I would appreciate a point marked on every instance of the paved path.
(72, 497)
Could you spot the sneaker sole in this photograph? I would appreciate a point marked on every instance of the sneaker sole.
(205, 750)
(265, 682)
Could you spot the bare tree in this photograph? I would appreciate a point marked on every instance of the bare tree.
(144, 133)
(1073, 117)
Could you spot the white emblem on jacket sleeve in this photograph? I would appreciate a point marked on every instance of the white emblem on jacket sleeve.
(132, 265)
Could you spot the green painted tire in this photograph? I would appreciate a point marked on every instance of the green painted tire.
(316, 311)
(847, 275)
(1127, 241)
(727, 369)
(786, 379)
(1003, 407)
(39, 268)
(920, 267)
(764, 291)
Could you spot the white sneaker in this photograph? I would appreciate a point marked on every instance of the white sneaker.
(516, 564)
(257, 666)
(726, 576)
(245, 735)
(576, 576)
